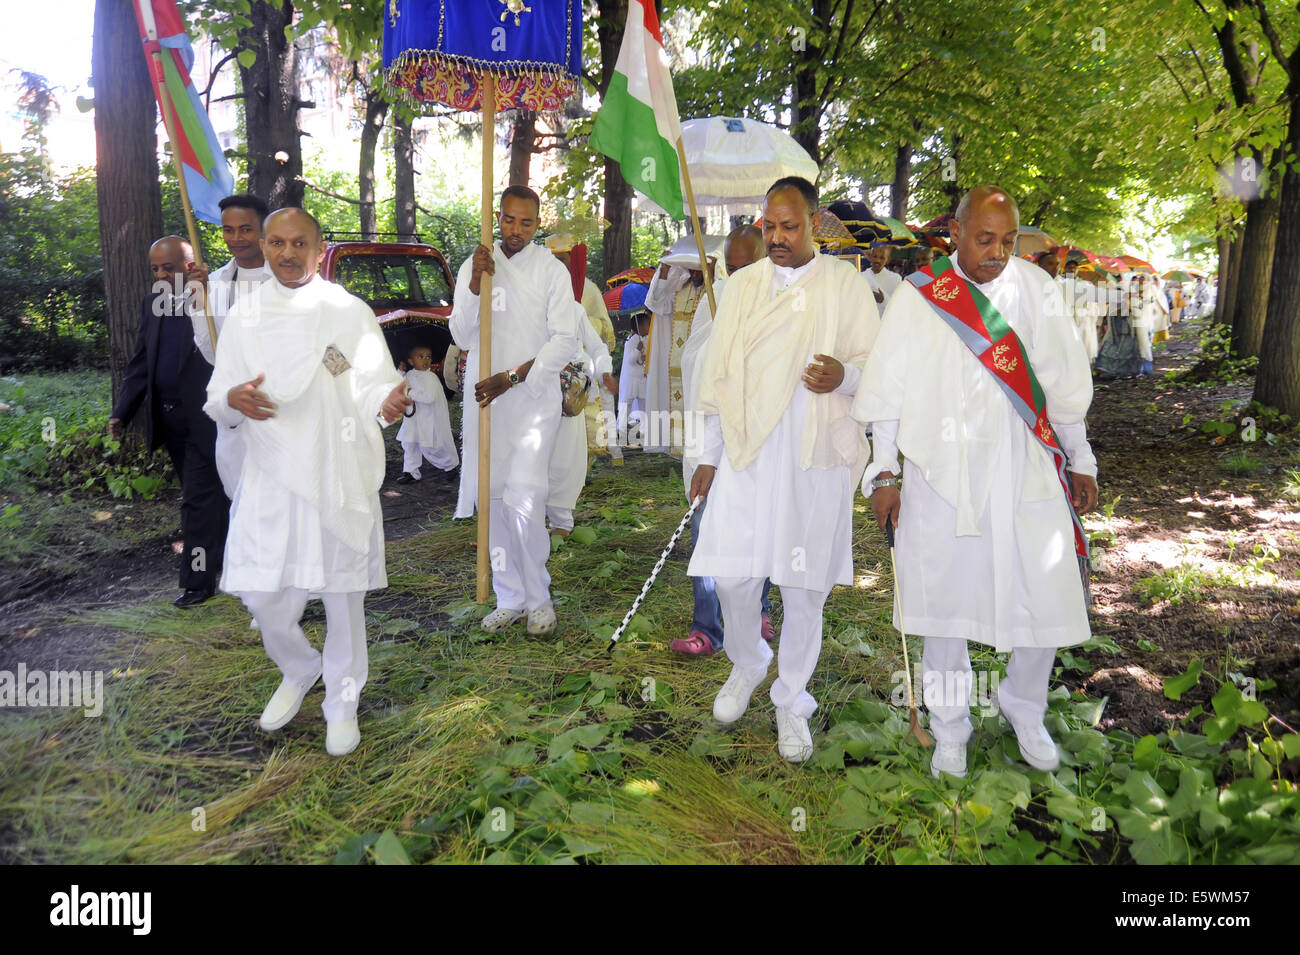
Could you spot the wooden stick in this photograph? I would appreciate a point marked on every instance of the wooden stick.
(165, 103)
(695, 221)
(484, 566)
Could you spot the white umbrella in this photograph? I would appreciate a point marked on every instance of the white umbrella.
(734, 161)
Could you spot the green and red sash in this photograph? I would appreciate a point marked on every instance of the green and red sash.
(982, 328)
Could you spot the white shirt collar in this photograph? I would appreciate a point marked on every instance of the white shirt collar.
(786, 275)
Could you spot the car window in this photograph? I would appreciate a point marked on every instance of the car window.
(394, 280)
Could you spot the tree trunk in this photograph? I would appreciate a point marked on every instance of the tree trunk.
(126, 175)
(376, 109)
(898, 192)
(806, 111)
(523, 136)
(1277, 383)
(617, 247)
(1253, 277)
(271, 105)
(951, 184)
(1228, 283)
(404, 176)
(1224, 245)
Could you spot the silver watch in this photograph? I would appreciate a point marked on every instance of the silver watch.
(878, 483)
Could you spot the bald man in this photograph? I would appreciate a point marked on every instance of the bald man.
(167, 379)
(304, 373)
(743, 247)
(989, 547)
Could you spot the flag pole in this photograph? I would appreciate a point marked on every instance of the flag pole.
(696, 227)
(165, 107)
(483, 566)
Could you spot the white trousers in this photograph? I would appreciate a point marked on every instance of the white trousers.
(560, 518)
(945, 666)
(520, 546)
(631, 422)
(801, 637)
(413, 455)
(345, 660)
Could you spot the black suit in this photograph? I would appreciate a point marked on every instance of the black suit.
(190, 437)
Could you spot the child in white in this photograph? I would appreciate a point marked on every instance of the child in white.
(632, 380)
(426, 434)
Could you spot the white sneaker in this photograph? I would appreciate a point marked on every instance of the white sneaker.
(793, 739)
(341, 736)
(949, 757)
(285, 703)
(1037, 747)
(733, 699)
(501, 618)
(542, 620)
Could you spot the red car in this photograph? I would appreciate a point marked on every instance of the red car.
(409, 286)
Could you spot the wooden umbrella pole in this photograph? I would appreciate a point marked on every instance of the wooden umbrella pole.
(166, 103)
(485, 346)
(695, 220)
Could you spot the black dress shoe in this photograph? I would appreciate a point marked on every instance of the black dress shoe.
(194, 596)
(406, 478)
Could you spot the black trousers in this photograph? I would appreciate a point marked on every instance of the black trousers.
(191, 439)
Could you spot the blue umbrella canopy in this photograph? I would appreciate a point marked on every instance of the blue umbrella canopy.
(438, 51)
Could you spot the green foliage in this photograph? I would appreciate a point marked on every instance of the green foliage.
(51, 281)
(53, 436)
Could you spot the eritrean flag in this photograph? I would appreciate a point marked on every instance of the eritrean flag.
(637, 125)
(207, 177)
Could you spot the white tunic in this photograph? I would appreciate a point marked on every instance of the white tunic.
(631, 379)
(568, 467)
(887, 281)
(985, 543)
(429, 428)
(306, 512)
(225, 285)
(533, 316)
(774, 519)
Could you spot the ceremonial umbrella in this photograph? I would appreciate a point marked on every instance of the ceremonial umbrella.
(642, 275)
(1182, 275)
(734, 161)
(1138, 265)
(484, 56)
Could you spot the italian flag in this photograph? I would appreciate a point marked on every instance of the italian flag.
(637, 125)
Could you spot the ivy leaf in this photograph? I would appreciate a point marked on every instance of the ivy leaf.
(1176, 686)
(247, 58)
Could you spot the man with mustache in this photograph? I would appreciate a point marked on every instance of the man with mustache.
(534, 335)
(304, 373)
(988, 544)
(781, 454)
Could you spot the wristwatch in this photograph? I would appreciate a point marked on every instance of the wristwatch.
(513, 375)
(878, 483)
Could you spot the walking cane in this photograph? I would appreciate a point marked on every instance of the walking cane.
(659, 565)
(915, 728)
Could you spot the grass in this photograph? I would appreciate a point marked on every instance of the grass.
(549, 750)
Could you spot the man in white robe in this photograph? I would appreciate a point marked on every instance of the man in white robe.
(886, 281)
(985, 537)
(601, 414)
(672, 300)
(534, 335)
(569, 458)
(781, 454)
(743, 247)
(303, 372)
(241, 230)
(1083, 310)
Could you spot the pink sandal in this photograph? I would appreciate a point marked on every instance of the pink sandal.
(697, 644)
